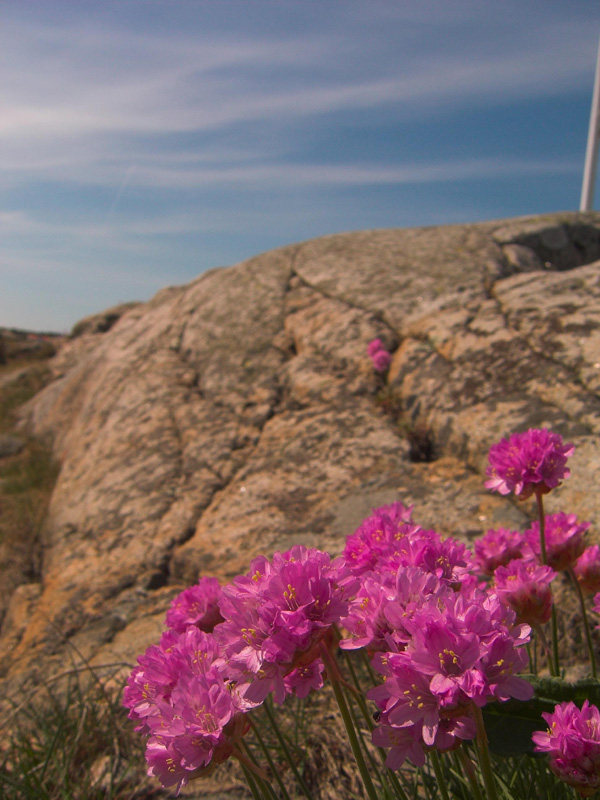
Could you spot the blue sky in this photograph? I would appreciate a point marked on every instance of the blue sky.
(145, 141)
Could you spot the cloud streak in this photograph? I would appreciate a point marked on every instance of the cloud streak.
(132, 131)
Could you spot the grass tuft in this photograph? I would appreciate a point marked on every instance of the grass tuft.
(71, 743)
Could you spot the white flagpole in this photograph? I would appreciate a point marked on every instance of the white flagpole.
(591, 153)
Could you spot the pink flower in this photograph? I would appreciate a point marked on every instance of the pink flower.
(497, 548)
(374, 347)
(587, 569)
(377, 536)
(564, 537)
(197, 605)
(180, 697)
(278, 614)
(528, 462)
(525, 587)
(572, 742)
(402, 742)
(304, 680)
(380, 358)
(462, 649)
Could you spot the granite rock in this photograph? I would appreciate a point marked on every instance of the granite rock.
(239, 415)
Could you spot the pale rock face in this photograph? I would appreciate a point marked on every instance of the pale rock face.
(237, 415)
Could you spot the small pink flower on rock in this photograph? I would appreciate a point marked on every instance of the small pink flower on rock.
(374, 347)
(534, 461)
(380, 357)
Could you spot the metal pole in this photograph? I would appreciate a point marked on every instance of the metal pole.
(591, 153)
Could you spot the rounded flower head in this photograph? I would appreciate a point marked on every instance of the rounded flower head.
(197, 605)
(525, 587)
(572, 742)
(380, 358)
(179, 697)
(534, 461)
(564, 537)
(377, 536)
(587, 569)
(497, 548)
(374, 347)
(276, 618)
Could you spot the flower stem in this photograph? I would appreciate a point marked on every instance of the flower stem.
(542, 523)
(334, 677)
(469, 770)
(586, 624)
(546, 649)
(554, 662)
(484, 755)
(267, 754)
(439, 773)
(286, 750)
(256, 793)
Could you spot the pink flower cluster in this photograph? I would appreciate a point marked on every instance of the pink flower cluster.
(572, 742)
(445, 629)
(380, 357)
(180, 699)
(276, 617)
(441, 643)
(534, 461)
(190, 693)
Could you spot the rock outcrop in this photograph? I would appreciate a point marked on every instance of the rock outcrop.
(239, 414)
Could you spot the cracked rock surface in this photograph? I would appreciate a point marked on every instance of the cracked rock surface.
(238, 415)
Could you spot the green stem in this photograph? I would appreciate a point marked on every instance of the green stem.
(252, 784)
(586, 624)
(542, 523)
(531, 661)
(439, 773)
(286, 750)
(554, 662)
(267, 755)
(469, 770)
(333, 674)
(546, 649)
(484, 755)
(359, 697)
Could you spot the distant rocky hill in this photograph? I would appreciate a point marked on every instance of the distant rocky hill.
(239, 415)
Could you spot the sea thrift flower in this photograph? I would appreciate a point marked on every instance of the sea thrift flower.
(377, 536)
(564, 537)
(464, 649)
(525, 587)
(587, 569)
(572, 742)
(197, 605)
(528, 462)
(278, 614)
(383, 605)
(497, 548)
(180, 698)
(380, 358)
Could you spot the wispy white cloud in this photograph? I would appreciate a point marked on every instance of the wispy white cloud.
(127, 127)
